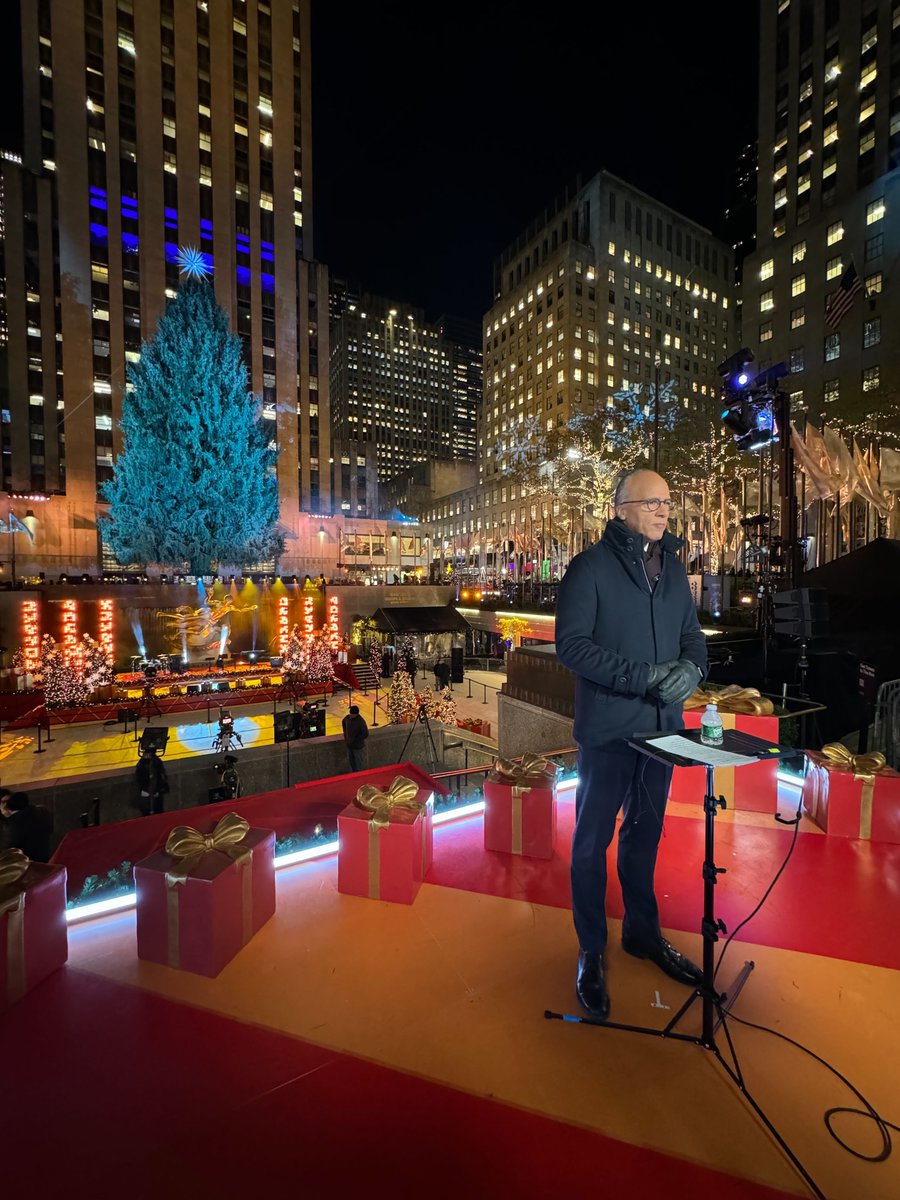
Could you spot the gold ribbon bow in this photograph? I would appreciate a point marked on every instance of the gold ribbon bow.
(531, 770)
(13, 865)
(401, 794)
(189, 845)
(732, 699)
(863, 766)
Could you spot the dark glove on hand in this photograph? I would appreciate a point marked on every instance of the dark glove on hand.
(658, 672)
(680, 682)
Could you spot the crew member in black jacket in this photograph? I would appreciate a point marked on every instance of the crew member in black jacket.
(627, 627)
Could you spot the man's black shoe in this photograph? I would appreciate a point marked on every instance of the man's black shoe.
(590, 986)
(667, 958)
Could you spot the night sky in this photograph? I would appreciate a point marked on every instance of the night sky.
(440, 132)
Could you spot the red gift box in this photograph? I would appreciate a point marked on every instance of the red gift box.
(386, 861)
(33, 936)
(520, 807)
(200, 920)
(753, 788)
(846, 800)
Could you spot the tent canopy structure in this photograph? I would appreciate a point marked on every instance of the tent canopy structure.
(436, 618)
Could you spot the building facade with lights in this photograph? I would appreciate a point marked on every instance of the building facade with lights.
(606, 286)
(410, 389)
(148, 127)
(829, 196)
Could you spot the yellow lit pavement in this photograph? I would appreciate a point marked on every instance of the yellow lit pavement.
(82, 749)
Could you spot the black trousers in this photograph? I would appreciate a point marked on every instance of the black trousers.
(357, 758)
(609, 778)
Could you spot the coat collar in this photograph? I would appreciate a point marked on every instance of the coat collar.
(619, 537)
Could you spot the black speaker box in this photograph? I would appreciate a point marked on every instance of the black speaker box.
(287, 726)
(154, 739)
(456, 664)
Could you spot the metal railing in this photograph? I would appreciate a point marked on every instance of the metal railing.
(886, 733)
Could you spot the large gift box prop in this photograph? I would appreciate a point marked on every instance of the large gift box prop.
(753, 788)
(33, 938)
(520, 807)
(203, 898)
(385, 842)
(852, 795)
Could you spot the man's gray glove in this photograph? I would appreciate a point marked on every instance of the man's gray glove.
(658, 672)
(680, 682)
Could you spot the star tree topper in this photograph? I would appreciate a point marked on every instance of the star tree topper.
(193, 263)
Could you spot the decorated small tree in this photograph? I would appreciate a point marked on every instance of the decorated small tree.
(401, 701)
(63, 685)
(95, 665)
(17, 662)
(319, 665)
(376, 659)
(406, 654)
(295, 654)
(440, 706)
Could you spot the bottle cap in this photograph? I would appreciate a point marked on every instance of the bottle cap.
(712, 708)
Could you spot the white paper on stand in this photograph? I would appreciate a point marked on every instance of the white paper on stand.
(707, 755)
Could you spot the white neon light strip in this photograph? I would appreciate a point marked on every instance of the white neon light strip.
(100, 908)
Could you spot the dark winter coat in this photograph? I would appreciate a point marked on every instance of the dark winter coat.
(29, 829)
(355, 731)
(611, 625)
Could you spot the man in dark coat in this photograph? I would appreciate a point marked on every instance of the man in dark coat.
(28, 827)
(152, 781)
(355, 733)
(627, 627)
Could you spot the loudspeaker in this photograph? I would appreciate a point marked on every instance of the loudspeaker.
(193, 689)
(456, 664)
(154, 739)
(287, 726)
(801, 612)
(176, 664)
(126, 714)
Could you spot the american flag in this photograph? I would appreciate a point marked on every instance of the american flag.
(840, 302)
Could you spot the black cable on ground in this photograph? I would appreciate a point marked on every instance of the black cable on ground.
(795, 821)
(869, 1112)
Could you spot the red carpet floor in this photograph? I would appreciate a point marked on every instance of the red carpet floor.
(359, 1048)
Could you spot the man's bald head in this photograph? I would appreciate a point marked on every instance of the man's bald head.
(632, 489)
(630, 483)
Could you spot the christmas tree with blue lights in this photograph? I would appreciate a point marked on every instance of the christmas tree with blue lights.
(195, 483)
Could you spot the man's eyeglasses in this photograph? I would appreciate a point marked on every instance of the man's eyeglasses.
(652, 504)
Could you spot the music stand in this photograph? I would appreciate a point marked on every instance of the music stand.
(715, 1005)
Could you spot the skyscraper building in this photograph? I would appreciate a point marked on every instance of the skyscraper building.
(151, 126)
(605, 289)
(410, 388)
(829, 200)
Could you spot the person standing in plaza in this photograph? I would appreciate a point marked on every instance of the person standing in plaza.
(627, 628)
(355, 733)
(152, 781)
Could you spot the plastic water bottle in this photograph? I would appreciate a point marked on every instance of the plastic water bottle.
(711, 731)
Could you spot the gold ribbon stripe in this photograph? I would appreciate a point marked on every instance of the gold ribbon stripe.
(13, 865)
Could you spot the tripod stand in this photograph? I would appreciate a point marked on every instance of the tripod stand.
(421, 718)
(715, 1005)
(147, 708)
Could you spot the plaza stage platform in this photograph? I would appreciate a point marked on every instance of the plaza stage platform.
(356, 1044)
(170, 694)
